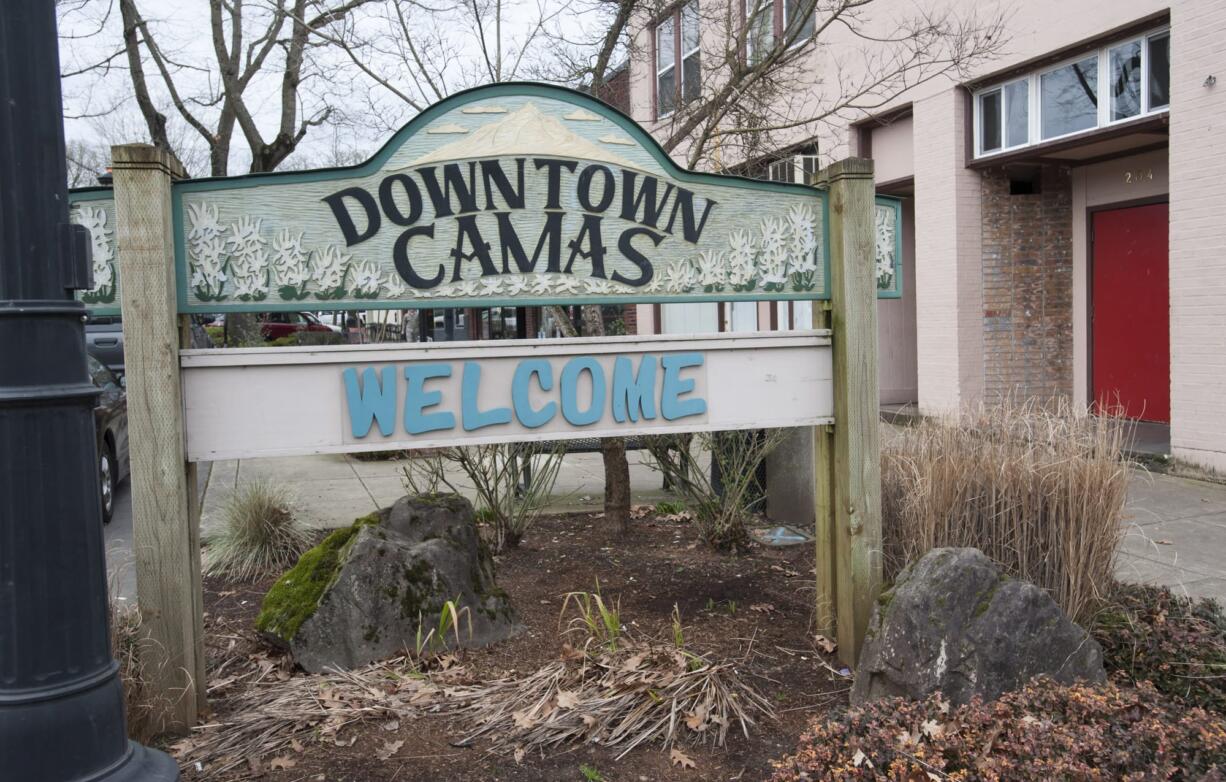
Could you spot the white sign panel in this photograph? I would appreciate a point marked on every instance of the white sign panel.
(292, 401)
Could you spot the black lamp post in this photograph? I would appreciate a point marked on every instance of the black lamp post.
(61, 701)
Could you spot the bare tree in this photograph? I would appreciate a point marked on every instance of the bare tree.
(271, 44)
(762, 84)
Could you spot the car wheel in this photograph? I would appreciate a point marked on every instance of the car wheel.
(107, 472)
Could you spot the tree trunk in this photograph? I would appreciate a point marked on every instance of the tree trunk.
(616, 481)
(613, 449)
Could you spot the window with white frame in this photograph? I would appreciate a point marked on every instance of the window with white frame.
(1119, 82)
(677, 41)
(767, 21)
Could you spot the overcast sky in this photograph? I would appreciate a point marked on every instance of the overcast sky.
(100, 108)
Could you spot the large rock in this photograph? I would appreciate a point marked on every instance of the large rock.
(954, 623)
(371, 590)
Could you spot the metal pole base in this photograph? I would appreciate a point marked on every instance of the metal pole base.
(141, 764)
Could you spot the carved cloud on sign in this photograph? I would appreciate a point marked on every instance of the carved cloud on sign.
(525, 131)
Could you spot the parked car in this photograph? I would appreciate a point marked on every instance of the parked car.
(104, 339)
(111, 429)
(274, 325)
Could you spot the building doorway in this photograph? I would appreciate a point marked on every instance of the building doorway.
(1130, 356)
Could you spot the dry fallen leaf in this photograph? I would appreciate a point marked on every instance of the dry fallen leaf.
(932, 729)
(281, 763)
(764, 608)
(523, 720)
(519, 754)
(679, 758)
(391, 726)
(859, 759)
(825, 644)
(388, 749)
(567, 700)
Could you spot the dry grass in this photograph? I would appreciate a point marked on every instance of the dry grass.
(633, 693)
(1039, 490)
(143, 707)
(258, 535)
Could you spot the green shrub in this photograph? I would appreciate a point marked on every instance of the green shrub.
(1040, 733)
(258, 534)
(1038, 490)
(721, 512)
(1179, 644)
(287, 341)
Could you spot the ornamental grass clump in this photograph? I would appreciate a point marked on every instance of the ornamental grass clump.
(144, 705)
(258, 535)
(1039, 489)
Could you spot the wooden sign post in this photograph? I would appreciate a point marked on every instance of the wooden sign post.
(507, 195)
(165, 533)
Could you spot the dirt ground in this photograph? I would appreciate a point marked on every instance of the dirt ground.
(754, 608)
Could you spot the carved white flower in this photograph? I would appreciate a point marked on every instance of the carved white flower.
(601, 287)
(102, 251)
(491, 286)
(366, 279)
(290, 262)
(208, 269)
(248, 259)
(516, 286)
(329, 267)
(204, 220)
(206, 251)
(773, 260)
(394, 287)
(804, 239)
(742, 255)
(567, 284)
(543, 285)
(681, 277)
(712, 269)
(885, 246)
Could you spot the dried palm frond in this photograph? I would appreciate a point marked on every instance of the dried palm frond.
(635, 694)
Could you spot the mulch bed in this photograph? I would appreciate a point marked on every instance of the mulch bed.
(755, 609)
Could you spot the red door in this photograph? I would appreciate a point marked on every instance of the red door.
(1130, 322)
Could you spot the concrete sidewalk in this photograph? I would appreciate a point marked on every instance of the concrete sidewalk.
(1175, 528)
(332, 490)
(1175, 534)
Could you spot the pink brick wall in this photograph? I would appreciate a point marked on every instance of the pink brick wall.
(947, 276)
(1198, 234)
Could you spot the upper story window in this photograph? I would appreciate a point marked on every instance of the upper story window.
(1116, 83)
(677, 41)
(767, 21)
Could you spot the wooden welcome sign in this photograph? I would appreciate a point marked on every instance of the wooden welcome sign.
(513, 194)
(507, 195)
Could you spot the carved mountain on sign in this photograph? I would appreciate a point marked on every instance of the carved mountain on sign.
(525, 131)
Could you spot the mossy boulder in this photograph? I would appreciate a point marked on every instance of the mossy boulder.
(954, 623)
(378, 587)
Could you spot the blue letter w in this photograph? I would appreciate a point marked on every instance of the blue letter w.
(373, 401)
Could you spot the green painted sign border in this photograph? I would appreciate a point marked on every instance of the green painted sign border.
(83, 195)
(376, 162)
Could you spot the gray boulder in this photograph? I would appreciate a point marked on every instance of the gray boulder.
(954, 623)
(371, 590)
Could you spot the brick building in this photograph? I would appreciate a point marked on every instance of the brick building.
(1063, 237)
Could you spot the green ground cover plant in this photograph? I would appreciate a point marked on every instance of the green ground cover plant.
(1178, 643)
